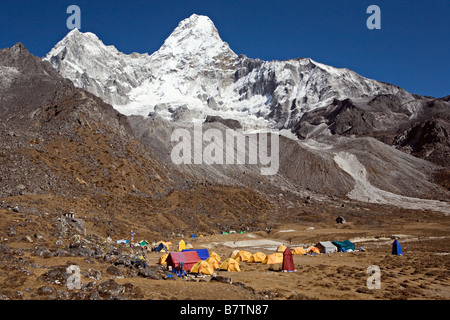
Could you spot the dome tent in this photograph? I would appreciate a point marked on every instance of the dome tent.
(202, 267)
(257, 257)
(230, 265)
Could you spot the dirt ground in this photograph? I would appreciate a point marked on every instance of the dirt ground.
(421, 273)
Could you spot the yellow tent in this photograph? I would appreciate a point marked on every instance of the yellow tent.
(163, 258)
(233, 254)
(281, 248)
(274, 258)
(202, 267)
(215, 255)
(214, 262)
(313, 249)
(181, 245)
(257, 257)
(298, 250)
(243, 256)
(230, 265)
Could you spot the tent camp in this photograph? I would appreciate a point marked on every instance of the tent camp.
(257, 257)
(163, 258)
(273, 258)
(187, 258)
(230, 265)
(344, 246)
(243, 256)
(326, 247)
(202, 253)
(214, 262)
(288, 261)
(181, 245)
(397, 248)
(299, 250)
(281, 248)
(202, 267)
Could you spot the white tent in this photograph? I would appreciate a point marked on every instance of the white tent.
(326, 247)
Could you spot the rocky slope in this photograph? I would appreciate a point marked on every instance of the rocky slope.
(67, 150)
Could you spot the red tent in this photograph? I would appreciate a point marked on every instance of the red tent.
(288, 261)
(188, 258)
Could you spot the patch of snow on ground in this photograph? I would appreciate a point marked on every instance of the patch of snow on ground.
(366, 192)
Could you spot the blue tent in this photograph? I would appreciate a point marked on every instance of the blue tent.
(193, 236)
(344, 246)
(160, 247)
(397, 248)
(202, 253)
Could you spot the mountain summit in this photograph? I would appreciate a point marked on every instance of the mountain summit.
(195, 38)
(195, 74)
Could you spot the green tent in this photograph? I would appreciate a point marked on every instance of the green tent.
(143, 243)
(344, 246)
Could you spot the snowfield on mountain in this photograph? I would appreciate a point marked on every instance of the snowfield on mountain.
(196, 74)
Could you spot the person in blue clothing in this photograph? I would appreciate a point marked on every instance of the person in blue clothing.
(180, 271)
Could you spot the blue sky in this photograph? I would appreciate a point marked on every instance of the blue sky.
(412, 49)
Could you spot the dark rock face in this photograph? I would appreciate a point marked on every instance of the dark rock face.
(428, 134)
(428, 140)
(230, 123)
(388, 119)
(381, 114)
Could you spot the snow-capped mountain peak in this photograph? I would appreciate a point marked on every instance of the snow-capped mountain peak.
(195, 41)
(98, 68)
(195, 74)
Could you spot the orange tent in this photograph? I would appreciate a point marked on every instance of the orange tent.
(214, 262)
(281, 248)
(313, 249)
(202, 267)
(274, 258)
(299, 250)
(257, 257)
(230, 265)
(243, 256)
(215, 255)
(163, 258)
